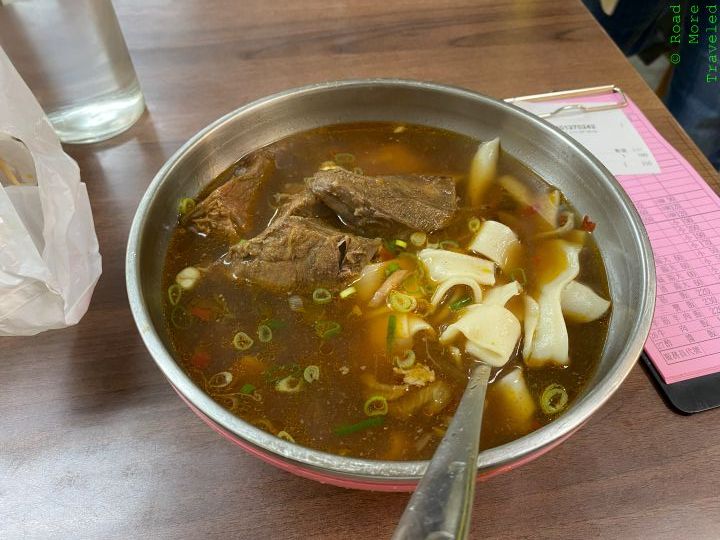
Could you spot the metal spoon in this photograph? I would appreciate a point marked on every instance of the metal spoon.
(441, 506)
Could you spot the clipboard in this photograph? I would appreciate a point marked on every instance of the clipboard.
(682, 352)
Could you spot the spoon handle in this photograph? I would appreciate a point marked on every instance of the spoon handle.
(441, 506)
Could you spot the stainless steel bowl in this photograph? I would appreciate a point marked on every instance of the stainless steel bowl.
(554, 156)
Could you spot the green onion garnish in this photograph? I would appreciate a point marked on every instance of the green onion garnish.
(186, 206)
(327, 329)
(274, 324)
(344, 158)
(373, 421)
(474, 224)
(264, 333)
(358, 170)
(411, 284)
(321, 296)
(392, 267)
(347, 292)
(448, 244)
(401, 243)
(553, 399)
(376, 406)
(289, 385)
(285, 436)
(392, 324)
(311, 373)
(180, 318)
(247, 388)
(407, 361)
(174, 294)
(401, 302)
(242, 342)
(519, 275)
(459, 304)
(418, 239)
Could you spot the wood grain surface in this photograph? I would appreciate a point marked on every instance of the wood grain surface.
(95, 444)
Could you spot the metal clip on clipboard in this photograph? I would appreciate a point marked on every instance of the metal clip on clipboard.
(576, 107)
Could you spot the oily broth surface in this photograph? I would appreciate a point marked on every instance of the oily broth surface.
(336, 399)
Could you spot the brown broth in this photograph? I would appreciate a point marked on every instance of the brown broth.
(312, 415)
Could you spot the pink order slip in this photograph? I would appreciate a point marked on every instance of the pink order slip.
(682, 216)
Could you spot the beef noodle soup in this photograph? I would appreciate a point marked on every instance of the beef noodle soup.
(335, 288)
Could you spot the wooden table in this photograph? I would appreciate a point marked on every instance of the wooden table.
(95, 444)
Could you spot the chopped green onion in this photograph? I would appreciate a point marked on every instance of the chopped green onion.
(285, 436)
(327, 329)
(344, 158)
(180, 318)
(358, 170)
(275, 324)
(373, 421)
(264, 333)
(554, 399)
(289, 385)
(519, 275)
(448, 244)
(411, 284)
(247, 388)
(188, 277)
(390, 340)
(296, 303)
(390, 246)
(390, 268)
(280, 371)
(311, 373)
(242, 342)
(401, 243)
(407, 361)
(401, 302)
(186, 206)
(174, 294)
(474, 224)
(347, 292)
(418, 239)
(220, 380)
(376, 406)
(459, 304)
(321, 296)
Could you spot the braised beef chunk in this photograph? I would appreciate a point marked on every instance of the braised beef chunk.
(299, 254)
(229, 208)
(374, 203)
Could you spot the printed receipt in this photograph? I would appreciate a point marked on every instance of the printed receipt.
(682, 216)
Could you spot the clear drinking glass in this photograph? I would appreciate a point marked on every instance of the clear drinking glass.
(72, 55)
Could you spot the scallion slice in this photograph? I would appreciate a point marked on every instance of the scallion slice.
(186, 206)
(247, 388)
(174, 294)
(311, 373)
(180, 318)
(373, 421)
(289, 385)
(418, 238)
(265, 334)
(401, 243)
(321, 296)
(449, 244)
(459, 304)
(407, 361)
(553, 399)
(242, 342)
(327, 329)
(376, 406)
(391, 268)
(401, 302)
(474, 224)
(390, 339)
(220, 380)
(285, 436)
(347, 292)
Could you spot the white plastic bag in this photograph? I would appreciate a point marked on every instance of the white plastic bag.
(49, 259)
